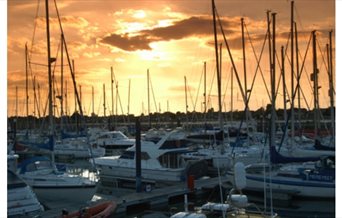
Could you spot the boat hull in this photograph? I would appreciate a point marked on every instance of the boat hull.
(292, 186)
(76, 194)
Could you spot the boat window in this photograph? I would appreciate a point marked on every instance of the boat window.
(127, 155)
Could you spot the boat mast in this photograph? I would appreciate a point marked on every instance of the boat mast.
(284, 81)
(129, 97)
(298, 82)
(148, 99)
(111, 85)
(51, 123)
(245, 73)
(27, 96)
(104, 100)
(217, 69)
(314, 78)
(66, 97)
(62, 112)
(92, 97)
(231, 94)
(16, 102)
(331, 87)
(273, 85)
(205, 87)
(292, 74)
(186, 102)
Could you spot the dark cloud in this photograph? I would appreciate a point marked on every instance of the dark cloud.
(198, 26)
(125, 42)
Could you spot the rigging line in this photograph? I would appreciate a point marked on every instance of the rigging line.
(35, 26)
(211, 85)
(34, 94)
(199, 85)
(227, 84)
(299, 18)
(258, 62)
(71, 71)
(279, 80)
(231, 59)
(198, 88)
(306, 102)
(324, 62)
(120, 101)
(192, 101)
(294, 96)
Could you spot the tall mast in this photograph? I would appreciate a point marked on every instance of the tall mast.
(116, 101)
(315, 83)
(231, 94)
(186, 102)
(16, 102)
(111, 85)
(331, 87)
(51, 123)
(273, 84)
(62, 112)
(129, 96)
(80, 88)
(148, 98)
(74, 72)
(92, 97)
(104, 100)
(217, 67)
(298, 82)
(244, 72)
(66, 97)
(284, 81)
(27, 96)
(292, 75)
(205, 87)
(34, 92)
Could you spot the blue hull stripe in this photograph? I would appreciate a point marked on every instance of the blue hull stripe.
(294, 183)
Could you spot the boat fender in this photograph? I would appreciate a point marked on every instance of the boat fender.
(239, 176)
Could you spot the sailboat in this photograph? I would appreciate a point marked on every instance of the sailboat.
(49, 184)
(308, 177)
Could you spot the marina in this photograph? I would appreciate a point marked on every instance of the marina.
(223, 156)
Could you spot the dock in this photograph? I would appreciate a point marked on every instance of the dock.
(146, 200)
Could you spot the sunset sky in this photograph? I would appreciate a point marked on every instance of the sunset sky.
(170, 38)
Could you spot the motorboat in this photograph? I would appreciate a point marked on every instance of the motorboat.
(160, 161)
(114, 142)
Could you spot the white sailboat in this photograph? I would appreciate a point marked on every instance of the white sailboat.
(42, 175)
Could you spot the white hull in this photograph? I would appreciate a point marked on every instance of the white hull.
(292, 186)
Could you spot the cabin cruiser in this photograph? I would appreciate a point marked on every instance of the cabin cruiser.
(114, 142)
(160, 161)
